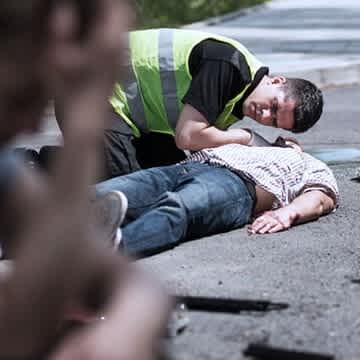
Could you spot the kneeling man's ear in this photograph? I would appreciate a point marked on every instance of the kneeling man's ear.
(278, 79)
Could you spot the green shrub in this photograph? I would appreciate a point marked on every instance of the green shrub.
(157, 13)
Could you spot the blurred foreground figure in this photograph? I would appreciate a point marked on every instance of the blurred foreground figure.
(60, 264)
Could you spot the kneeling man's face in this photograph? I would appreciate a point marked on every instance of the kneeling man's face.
(270, 106)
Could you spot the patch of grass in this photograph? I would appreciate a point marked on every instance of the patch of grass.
(173, 13)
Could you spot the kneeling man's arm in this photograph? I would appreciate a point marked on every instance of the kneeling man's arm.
(193, 132)
(306, 207)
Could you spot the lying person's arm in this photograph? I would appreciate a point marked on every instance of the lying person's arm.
(193, 132)
(306, 207)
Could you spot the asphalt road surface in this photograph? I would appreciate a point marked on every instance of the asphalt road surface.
(310, 267)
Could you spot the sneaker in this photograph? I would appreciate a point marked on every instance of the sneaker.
(107, 213)
(30, 157)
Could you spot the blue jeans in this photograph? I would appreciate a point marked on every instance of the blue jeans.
(171, 204)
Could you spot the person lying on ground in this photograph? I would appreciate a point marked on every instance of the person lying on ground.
(61, 264)
(221, 189)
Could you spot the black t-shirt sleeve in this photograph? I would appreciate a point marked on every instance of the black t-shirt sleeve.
(220, 73)
(211, 88)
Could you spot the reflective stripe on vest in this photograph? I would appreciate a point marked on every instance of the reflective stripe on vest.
(167, 80)
(133, 94)
(167, 75)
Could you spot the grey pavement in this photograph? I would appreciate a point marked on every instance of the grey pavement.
(310, 266)
(318, 40)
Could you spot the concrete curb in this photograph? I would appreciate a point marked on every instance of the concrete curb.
(325, 76)
(332, 76)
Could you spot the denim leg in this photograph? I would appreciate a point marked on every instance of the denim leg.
(206, 200)
(216, 200)
(164, 225)
(142, 188)
(159, 229)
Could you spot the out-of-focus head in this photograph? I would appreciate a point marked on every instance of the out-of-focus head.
(291, 104)
(35, 37)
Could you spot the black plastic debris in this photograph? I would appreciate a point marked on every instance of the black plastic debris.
(356, 179)
(232, 306)
(266, 352)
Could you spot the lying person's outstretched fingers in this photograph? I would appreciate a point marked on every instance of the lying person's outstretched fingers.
(273, 221)
(262, 224)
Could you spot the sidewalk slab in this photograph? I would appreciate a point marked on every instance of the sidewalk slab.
(323, 70)
(319, 41)
(323, 4)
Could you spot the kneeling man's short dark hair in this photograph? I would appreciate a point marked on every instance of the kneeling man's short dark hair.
(309, 103)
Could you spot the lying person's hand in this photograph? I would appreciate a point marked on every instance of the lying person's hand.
(273, 221)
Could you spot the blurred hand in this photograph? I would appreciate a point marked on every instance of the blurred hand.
(93, 60)
(131, 329)
(55, 253)
(53, 245)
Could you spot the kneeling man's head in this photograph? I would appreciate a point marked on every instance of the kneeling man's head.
(288, 103)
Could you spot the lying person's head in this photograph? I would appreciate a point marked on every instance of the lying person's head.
(288, 142)
(288, 103)
(259, 141)
(36, 37)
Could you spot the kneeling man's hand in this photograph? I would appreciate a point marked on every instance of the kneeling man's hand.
(273, 221)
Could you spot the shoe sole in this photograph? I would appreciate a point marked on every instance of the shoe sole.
(123, 207)
(118, 213)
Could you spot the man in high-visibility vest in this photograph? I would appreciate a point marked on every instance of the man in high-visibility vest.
(184, 89)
